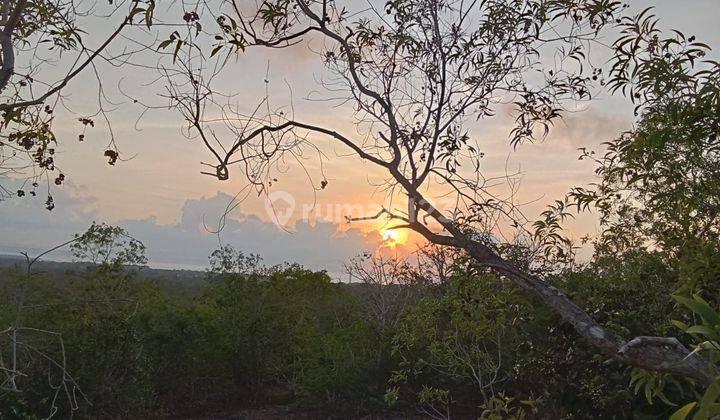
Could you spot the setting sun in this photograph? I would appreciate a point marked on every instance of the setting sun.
(390, 235)
(393, 237)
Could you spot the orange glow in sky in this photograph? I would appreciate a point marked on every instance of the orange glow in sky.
(392, 237)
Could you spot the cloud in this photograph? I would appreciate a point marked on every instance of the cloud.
(27, 225)
(590, 128)
(189, 242)
(186, 244)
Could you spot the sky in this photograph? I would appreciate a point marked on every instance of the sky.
(161, 198)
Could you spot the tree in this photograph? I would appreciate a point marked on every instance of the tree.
(659, 183)
(32, 87)
(415, 73)
(456, 339)
(658, 190)
(47, 355)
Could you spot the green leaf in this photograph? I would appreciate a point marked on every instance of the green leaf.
(664, 399)
(707, 403)
(683, 412)
(706, 331)
(177, 50)
(165, 43)
(680, 325)
(700, 307)
(149, 13)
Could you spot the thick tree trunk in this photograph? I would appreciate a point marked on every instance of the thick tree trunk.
(660, 354)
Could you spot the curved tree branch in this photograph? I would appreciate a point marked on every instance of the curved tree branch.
(6, 74)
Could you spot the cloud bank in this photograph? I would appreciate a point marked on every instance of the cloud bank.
(27, 226)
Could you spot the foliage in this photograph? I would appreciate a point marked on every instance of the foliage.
(108, 247)
(658, 192)
(659, 182)
(628, 295)
(287, 325)
(467, 345)
(456, 341)
(44, 48)
(502, 407)
(289, 335)
(707, 338)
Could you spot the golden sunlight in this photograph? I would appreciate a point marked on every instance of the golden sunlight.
(393, 237)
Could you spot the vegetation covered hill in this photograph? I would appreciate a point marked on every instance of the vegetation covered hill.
(433, 340)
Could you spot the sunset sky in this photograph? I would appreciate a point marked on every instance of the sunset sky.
(161, 198)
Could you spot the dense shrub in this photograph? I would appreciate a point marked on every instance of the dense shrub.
(103, 342)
